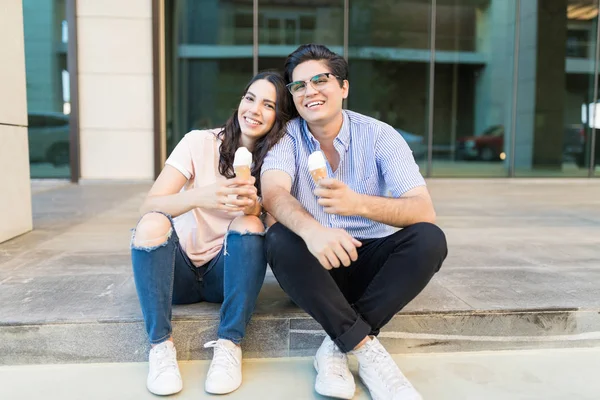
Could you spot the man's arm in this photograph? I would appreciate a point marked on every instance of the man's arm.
(332, 247)
(412, 207)
(279, 202)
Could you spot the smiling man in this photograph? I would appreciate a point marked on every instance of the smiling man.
(336, 248)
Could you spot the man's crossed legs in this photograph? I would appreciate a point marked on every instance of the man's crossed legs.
(353, 303)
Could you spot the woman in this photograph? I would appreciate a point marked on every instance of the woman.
(205, 242)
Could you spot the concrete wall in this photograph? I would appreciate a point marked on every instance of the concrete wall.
(115, 89)
(15, 190)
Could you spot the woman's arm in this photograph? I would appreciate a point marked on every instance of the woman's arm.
(166, 196)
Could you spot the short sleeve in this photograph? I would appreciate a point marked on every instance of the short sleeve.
(396, 162)
(181, 158)
(281, 157)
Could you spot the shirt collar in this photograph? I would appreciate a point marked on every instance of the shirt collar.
(343, 136)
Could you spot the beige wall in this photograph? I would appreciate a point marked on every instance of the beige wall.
(15, 190)
(115, 89)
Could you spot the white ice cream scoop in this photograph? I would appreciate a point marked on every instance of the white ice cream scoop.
(317, 166)
(242, 157)
(316, 161)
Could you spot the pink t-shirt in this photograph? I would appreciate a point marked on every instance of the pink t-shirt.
(201, 231)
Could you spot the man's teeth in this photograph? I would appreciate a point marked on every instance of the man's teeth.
(315, 103)
(252, 121)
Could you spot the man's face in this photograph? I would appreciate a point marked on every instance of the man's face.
(319, 99)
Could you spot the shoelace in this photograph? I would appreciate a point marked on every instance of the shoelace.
(165, 360)
(338, 361)
(386, 367)
(223, 357)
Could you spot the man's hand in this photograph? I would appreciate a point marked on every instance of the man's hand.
(332, 247)
(337, 198)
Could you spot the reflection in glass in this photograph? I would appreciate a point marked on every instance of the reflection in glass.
(48, 95)
(555, 87)
(389, 66)
(475, 118)
(210, 63)
(285, 26)
(473, 87)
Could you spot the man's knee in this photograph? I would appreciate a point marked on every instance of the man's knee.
(431, 239)
(275, 233)
(280, 240)
(247, 223)
(153, 230)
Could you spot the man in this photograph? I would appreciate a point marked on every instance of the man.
(336, 250)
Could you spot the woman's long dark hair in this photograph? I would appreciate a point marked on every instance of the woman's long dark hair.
(231, 131)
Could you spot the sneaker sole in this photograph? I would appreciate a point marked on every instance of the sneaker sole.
(330, 392)
(164, 393)
(376, 398)
(221, 391)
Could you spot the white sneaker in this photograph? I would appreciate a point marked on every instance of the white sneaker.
(163, 372)
(225, 372)
(381, 375)
(334, 379)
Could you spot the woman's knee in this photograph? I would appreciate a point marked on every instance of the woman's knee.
(153, 229)
(247, 223)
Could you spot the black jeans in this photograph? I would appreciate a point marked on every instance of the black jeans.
(353, 302)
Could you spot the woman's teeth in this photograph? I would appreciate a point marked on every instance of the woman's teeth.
(251, 121)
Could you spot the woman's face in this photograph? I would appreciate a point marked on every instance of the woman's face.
(256, 112)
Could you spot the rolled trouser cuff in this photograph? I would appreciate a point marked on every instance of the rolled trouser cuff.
(353, 336)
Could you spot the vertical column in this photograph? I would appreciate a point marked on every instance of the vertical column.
(550, 84)
(541, 90)
(495, 33)
(115, 89)
(526, 85)
(15, 200)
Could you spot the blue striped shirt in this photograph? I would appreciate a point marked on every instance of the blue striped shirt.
(374, 160)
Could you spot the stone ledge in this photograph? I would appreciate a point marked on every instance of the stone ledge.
(272, 336)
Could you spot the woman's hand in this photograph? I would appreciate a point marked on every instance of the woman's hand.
(256, 207)
(233, 195)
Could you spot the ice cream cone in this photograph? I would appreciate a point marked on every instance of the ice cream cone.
(242, 171)
(242, 163)
(317, 166)
(318, 174)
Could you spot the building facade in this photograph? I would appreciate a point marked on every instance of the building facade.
(478, 88)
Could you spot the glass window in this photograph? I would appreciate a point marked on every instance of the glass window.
(479, 130)
(285, 26)
(474, 51)
(555, 90)
(48, 96)
(210, 62)
(389, 66)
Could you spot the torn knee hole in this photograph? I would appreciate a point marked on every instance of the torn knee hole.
(151, 243)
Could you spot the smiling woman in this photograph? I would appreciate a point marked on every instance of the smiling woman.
(200, 237)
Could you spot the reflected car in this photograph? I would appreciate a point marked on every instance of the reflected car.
(486, 147)
(489, 146)
(48, 136)
(415, 142)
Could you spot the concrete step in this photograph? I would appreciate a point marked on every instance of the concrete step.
(556, 374)
(280, 329)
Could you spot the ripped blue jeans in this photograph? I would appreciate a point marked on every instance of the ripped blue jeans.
(164, 275)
